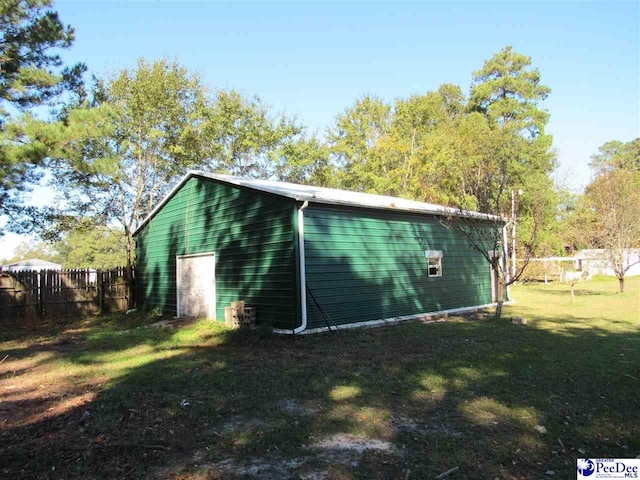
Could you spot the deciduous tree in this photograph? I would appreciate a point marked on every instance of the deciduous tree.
(613, 197)
(30, 249)
(241, 135)
(354, 140)
(616, 155)
(91, 246)
(508, 93)
(121, 151)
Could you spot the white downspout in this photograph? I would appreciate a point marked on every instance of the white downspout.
(303, 276)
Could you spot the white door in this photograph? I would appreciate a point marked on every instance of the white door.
(196, 285)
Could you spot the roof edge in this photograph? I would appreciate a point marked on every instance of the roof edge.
(437, 210)
(164, 201)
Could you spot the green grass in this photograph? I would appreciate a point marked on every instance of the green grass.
(471, 393)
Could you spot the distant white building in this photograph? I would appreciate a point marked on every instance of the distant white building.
(595, 262)
(33, 264)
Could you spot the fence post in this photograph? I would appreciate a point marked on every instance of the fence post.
(134, 290)
(42, 291)
(100, 285)
(128, 278)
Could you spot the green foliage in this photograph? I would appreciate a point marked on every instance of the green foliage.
(123, 150)
(89, 246)
(470, 154)
(31, 36)
(31, 74)
(617, 155)
(28, 249)
(117, 154)
(86, 246)
(302, 160)
(577, 224)
(241, 134)
(353, 141)
(441, 148)
(508, 91)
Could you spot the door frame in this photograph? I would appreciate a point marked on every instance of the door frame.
(179, 259)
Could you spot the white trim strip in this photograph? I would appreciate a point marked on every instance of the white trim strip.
(394, 320)
(201, 254)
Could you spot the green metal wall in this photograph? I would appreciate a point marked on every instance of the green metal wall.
(253, 236)
(367, 265)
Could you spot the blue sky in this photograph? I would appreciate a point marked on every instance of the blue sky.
(312, 60)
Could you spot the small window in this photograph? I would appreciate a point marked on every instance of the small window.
(434, 262)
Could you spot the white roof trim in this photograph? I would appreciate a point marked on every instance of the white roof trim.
(32, 262)
(329, 196)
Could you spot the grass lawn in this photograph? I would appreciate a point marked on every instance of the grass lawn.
(110, 397)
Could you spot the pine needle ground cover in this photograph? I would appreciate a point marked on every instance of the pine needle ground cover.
(111, 397)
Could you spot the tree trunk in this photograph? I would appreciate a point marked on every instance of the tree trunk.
(129, 280)
(501, 294)
(621, 284)
(572, 295)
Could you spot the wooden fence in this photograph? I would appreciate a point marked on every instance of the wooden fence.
(32, 294)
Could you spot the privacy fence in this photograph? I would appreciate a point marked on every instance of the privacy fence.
(33, 294)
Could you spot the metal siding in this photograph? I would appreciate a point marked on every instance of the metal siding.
(364, 265)
(252, 237)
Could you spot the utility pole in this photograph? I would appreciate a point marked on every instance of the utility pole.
(514, 218)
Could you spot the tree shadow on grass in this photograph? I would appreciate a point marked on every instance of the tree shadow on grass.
(372, 403)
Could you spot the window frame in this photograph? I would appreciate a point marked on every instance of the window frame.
(437, 256)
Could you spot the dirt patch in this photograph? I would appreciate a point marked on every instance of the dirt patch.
(351, 443)
(239, 423)
(173, 323)
(266, 468)
(407, 424)
(297, 407)
(327, 458)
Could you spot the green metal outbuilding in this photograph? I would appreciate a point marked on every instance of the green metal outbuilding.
(308, 258)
